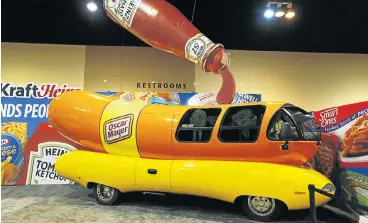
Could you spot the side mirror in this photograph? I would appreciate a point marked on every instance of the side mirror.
(286, 134)
(286, 131)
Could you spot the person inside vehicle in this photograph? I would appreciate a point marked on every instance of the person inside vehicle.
(275, 130)
(244, 118)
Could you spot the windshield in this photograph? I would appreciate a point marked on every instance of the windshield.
(307, 125)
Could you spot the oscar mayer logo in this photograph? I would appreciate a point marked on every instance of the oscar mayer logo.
(328, 117)
(118, 129)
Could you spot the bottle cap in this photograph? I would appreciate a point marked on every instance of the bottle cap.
(216, 59)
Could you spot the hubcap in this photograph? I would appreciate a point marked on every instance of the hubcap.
(261, 206)
(104, 192)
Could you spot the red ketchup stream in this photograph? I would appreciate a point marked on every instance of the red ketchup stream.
(227, 90)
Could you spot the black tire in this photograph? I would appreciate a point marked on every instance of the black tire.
(105, 197)
(262, 208)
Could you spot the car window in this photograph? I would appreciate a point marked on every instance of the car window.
(302, 124)
(274, 128)
(307, 125)
(241, 124)
(197, 125)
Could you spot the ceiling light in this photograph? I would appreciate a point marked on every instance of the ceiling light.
(279, 9)
(279, 14)
(105, 81)
(290, 14)
(269, 13)
(92, 6)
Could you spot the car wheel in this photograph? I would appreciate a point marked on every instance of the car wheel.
(262, 208)
(105, 195)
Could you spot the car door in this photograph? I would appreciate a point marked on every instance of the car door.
(153, 175)
(194, 145)
(300, 149)
(152, 171)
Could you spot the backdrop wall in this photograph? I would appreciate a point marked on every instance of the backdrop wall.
(42, 63)
(135, 68)
(310, 80)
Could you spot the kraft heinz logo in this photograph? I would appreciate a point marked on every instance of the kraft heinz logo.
(328, 117)
(4, 141)
(32, 90)
(118, 129)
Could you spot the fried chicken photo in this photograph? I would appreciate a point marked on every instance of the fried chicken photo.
(355, 140)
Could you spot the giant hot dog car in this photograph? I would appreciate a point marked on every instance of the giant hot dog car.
(252, 154)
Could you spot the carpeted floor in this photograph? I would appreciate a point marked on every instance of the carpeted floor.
(69, 203)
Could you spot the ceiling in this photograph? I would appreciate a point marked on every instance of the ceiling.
(320, 26)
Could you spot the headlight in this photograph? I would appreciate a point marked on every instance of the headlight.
(329, 188)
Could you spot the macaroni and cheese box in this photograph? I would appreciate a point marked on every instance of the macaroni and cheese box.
(13, 139)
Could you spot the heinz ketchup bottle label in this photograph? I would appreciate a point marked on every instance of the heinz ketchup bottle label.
(123, 11)
(197, 47)
(41, 165)
(41, 150)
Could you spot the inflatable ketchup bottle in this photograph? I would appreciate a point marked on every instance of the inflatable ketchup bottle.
(164, 27)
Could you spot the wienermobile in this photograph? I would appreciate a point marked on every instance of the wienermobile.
(251, 154)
